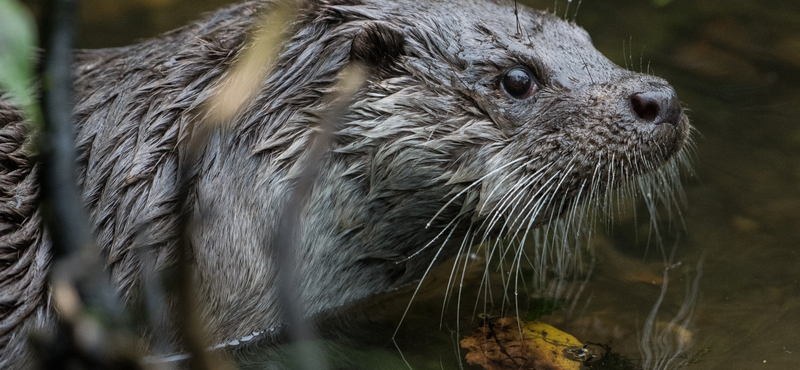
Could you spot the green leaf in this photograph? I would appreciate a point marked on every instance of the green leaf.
(17, 45)
(661, 2)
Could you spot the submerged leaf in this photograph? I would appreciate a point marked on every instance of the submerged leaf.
(507, 343)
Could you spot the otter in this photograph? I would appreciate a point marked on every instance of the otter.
(476, 118)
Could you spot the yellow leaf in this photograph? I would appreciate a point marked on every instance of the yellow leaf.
(507, 343)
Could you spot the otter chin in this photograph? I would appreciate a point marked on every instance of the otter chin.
(476, 119)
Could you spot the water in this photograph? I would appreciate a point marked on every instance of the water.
(736, 66)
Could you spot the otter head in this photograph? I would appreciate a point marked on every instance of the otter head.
(511, 110)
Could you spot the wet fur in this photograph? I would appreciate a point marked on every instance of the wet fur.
(432, 153)
(23, 248)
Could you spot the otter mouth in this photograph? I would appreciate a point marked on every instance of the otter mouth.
(596, 163)
(557, 194)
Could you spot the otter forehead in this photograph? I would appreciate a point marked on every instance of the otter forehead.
(500, 34)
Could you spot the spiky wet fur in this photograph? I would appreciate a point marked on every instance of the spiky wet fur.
(432, 158)
(23, 248)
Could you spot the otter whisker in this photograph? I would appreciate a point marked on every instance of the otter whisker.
(575, 14)
(474, 183)
(536, 208)
(548, 193)
(556, 210)
(576, 203)
(510, 203)
(421, 280)
(460, 290)
(518, 213)
(465, 243)
(515, 194)
(517, 191)
(608, 200)
(566, 10)
(418, 251)
(506, 176)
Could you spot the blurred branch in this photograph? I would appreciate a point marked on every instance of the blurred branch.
(286, 242)
(236, 91)
(78, 280)
(61, 200)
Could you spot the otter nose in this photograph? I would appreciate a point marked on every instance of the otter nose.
(657, 106)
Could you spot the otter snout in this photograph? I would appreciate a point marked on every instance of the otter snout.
(657, 106)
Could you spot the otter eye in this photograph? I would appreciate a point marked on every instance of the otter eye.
(519, 83)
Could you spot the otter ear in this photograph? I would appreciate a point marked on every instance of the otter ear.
(378, 45)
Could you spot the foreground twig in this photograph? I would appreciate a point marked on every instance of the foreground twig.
(287, 240)
(237, 90)
(78, 280)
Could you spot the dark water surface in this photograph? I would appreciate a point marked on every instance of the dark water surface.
(736, 66)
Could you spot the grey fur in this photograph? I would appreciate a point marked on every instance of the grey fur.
(422, 144)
